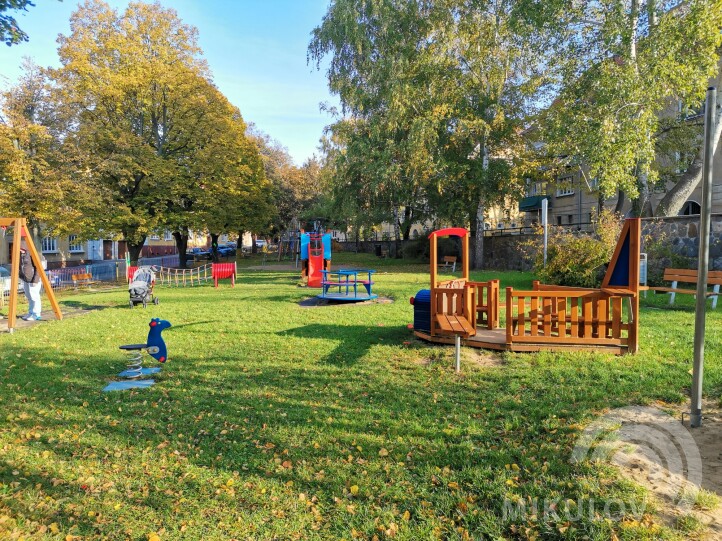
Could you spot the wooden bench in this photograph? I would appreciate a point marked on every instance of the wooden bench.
(85, 279)
(448, 262)
(452, 324)
(689, 276)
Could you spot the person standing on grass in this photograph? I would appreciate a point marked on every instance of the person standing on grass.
(31, 278)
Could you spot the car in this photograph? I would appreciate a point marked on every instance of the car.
(261, 243)
(198, 253)
(226, 250)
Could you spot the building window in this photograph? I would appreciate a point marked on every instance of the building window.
(74, 244)
(50, 245)
(570, 218)
(565, 187)
(559, 220)
(168, 235)
(691, 208)
(154, 237)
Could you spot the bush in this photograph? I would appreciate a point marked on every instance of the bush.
(576, 258)
(417, 249)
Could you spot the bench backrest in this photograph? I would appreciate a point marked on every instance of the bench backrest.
(449, 259)
(76, 277)
(690, 276)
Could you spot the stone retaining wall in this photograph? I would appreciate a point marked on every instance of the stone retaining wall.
(672, 241)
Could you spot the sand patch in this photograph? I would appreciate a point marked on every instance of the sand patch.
(667, 468)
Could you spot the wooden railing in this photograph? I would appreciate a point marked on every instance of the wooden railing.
(451, 301)
(486, 300)
(566, 316)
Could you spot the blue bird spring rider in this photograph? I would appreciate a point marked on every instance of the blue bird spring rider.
(155, 347)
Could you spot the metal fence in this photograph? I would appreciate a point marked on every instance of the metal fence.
(103, 271)
(164, 261)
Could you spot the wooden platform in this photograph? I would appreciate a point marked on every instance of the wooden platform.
(484, 338)
(496, 339)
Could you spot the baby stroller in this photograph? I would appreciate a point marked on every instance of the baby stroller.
(140, 288)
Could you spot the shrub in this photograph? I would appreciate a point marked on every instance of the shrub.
(576, 258)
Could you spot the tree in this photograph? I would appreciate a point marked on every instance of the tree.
(134, 93)
(624, 65)
(436, 96)
(236, 190)
(10, 32)
(673, 201)
(36, 179)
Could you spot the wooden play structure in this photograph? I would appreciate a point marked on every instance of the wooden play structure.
(20, 232)
(548, 317)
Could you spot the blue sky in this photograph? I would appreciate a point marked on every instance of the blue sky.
(255, 48)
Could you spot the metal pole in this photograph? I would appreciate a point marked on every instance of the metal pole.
(457, 341)
(695, 419)
(545, 224)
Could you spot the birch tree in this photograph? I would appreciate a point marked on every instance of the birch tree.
(626, 63)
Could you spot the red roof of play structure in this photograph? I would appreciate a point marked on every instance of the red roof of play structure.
(450, 231)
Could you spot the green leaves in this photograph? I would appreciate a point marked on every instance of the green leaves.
(617, 88)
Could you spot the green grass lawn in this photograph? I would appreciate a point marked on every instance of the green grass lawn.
(275, 421)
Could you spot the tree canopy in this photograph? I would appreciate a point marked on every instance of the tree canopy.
(129, 135)
(10, 31)
(447, 106)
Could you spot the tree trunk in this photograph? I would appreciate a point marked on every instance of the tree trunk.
(181, 244)
(406, 228)
(479, 237)
(239, 244)
(619, 207)
(134, 249)
(397, 233)
(642, 206)
(254, 246)
(673, 201)
(214, 246)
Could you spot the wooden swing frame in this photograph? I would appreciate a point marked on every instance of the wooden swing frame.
(20, 226)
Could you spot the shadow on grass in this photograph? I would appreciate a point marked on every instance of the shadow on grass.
(354, 341)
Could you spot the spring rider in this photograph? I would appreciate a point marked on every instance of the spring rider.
(155, 347)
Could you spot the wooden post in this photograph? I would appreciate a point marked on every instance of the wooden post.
(43, 276)
(20, 227)
(432, 257)
(509, 314)
(465, 257)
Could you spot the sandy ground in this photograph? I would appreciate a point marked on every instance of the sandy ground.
(665, 481)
